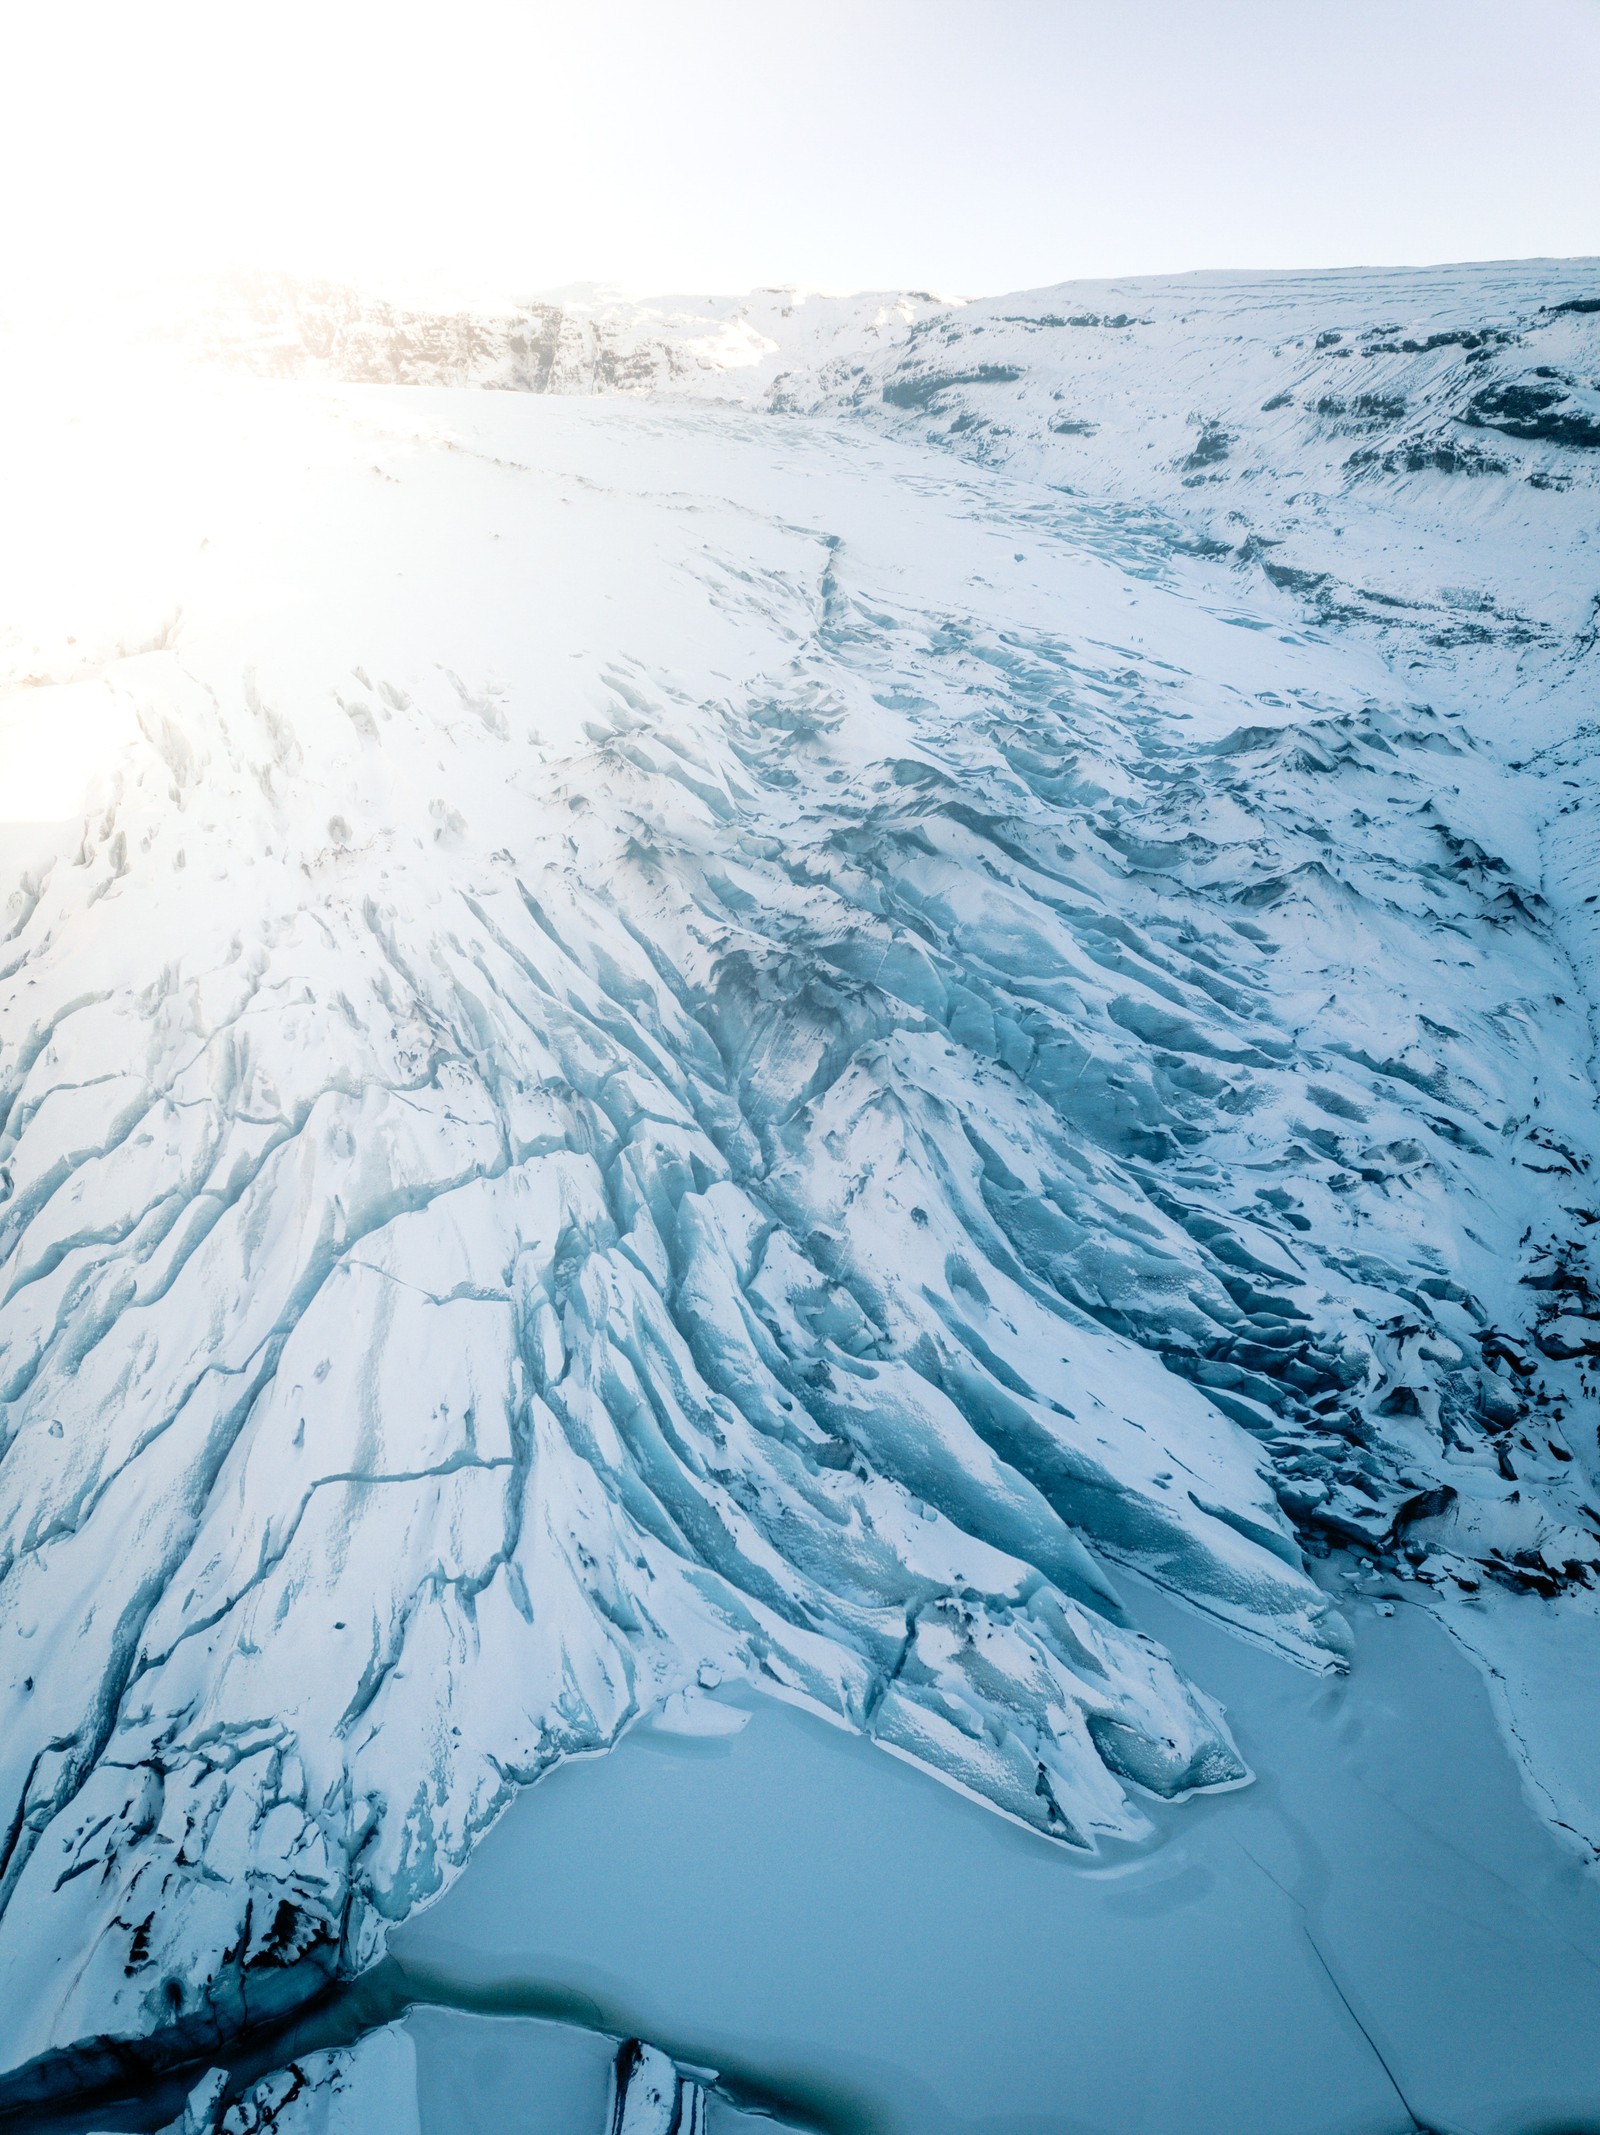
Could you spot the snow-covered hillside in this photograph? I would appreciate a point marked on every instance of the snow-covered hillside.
(752, 1029)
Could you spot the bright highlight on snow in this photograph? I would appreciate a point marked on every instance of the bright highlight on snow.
(831, 1001)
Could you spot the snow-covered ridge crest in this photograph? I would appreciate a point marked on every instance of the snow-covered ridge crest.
(584, 339)
(685, 1048)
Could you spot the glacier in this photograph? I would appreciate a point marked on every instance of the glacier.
(789, 993)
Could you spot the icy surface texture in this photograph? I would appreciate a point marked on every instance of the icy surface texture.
(526, 2074)
(681, 1046)
(354, 2090)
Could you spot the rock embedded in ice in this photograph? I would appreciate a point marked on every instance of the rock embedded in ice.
(651, 2098)
(353, 2090)
(1569, 1334)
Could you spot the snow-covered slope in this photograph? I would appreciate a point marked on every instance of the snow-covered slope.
(684, 1041)
(1409, 455)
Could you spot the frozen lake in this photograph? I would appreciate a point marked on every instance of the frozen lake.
(1377, 1932)
(1376, 1935)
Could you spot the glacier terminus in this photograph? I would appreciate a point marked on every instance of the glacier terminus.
(745, 1032)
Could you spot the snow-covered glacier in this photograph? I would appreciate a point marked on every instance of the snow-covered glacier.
(786, 995)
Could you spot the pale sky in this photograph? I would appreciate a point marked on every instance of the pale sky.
(696, 145)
